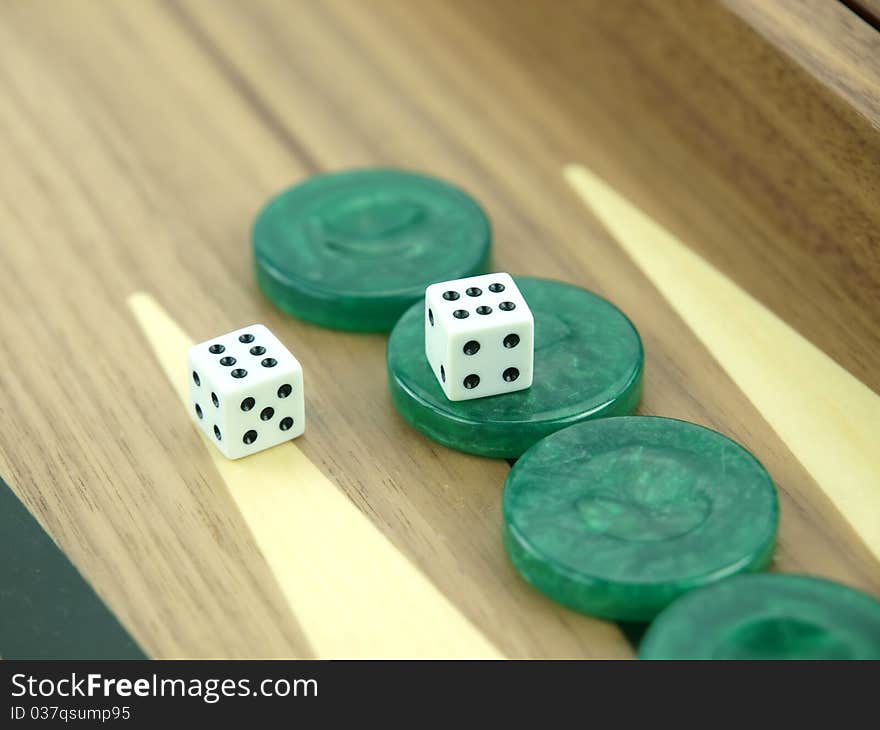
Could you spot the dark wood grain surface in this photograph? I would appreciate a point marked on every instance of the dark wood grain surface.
(138, 140)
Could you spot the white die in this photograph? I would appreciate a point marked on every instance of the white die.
(479, 336)
(246, 391)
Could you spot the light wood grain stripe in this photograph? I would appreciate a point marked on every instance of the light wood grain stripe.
(827, 418)
(352, 591)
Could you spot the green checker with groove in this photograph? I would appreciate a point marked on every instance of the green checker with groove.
(353, 250)
(771, 616)
(619, 517)
(588, 364)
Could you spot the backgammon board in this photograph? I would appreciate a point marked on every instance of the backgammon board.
(713, 168)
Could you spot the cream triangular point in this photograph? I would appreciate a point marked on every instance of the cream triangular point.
(352, 591)
(827, 418)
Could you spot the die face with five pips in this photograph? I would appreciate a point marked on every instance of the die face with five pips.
(246, 391)
(479, 336)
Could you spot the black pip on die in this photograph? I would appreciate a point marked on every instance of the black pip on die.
(479, 336)
(246, 391)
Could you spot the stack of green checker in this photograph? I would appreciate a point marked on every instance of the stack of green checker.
(613, 515)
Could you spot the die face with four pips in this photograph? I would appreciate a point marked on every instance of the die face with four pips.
(479, 336)
(246, 391)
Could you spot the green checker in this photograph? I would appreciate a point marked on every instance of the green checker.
(770, 616)
(352, 250)
(588, 364)
(619, 517)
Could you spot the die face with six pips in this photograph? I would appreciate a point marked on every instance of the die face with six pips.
(246, 391)
(479, 336)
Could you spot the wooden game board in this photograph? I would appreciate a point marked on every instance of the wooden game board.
(139, 139)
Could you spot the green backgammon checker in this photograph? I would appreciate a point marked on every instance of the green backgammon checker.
(588, 364)
(618, 517)
(771, 616)
(353, 250)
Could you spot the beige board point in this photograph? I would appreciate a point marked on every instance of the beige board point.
(828, 419)
(352, 591)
